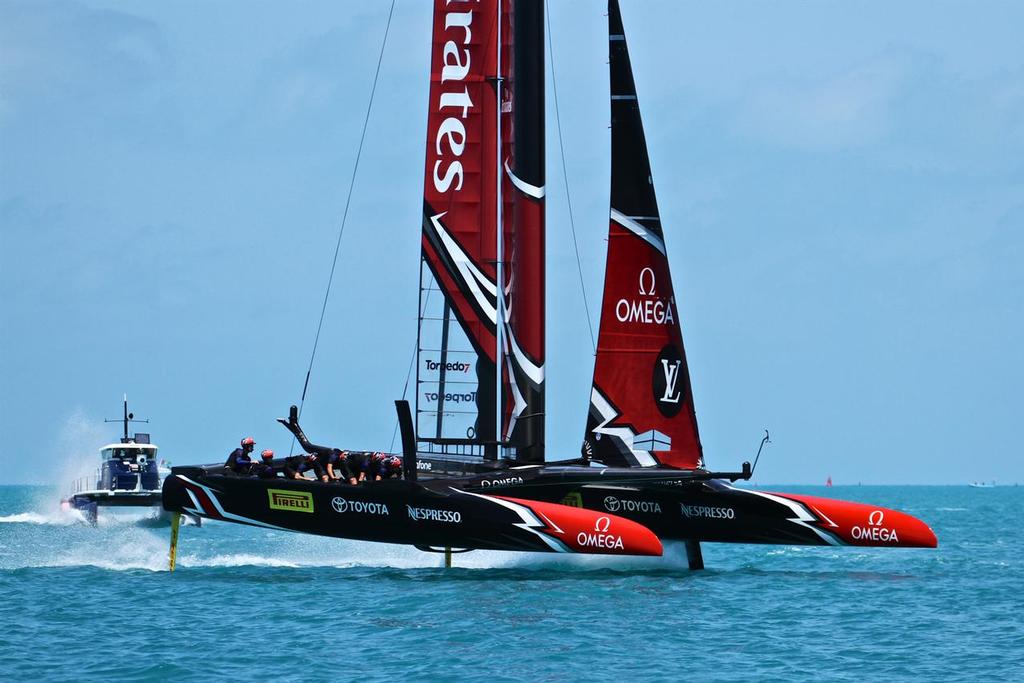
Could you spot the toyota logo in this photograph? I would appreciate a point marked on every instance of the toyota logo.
(611, 504)
(339, 505)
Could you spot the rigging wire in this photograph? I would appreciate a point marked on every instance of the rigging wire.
(405, 390)
(565, 176)
(408, 374)
(344, 215)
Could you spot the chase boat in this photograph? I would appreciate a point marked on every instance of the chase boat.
(129, 476)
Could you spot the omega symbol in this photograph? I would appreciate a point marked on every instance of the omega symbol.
(646, 290)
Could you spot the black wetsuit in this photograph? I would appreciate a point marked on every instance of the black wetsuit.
(297, 464)
(239, 461)
(336, 459)
(383, 468)
(265, 471)
(356, 463)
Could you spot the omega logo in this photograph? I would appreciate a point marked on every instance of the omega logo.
(645, 290)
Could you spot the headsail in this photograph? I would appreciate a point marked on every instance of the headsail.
(641, 407)
(480, 355)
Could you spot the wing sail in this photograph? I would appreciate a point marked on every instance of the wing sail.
(480, 351)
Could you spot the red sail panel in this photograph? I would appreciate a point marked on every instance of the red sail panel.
(458, 340)
(641, 408)
(523, 227)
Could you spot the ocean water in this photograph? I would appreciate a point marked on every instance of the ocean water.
(88, 603)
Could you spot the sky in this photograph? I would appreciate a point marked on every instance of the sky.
(841, 186)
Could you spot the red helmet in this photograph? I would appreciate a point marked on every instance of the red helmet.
(267, 454)
(248, 441)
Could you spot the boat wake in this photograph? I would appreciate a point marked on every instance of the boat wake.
(70, 517)
(58, 518)
(62, 539)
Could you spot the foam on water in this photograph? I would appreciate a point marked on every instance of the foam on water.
(59, 518)
(130, 541)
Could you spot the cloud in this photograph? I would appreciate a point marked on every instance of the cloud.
(850, 108)
(55, 50)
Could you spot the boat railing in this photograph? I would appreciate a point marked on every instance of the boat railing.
(87, 483)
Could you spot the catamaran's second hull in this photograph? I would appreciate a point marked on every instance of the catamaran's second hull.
(713, 510)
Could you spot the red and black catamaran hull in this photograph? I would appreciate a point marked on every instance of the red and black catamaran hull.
(430, 517)
(680, 505)
(543, 509)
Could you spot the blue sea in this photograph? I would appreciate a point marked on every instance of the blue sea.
(82, 603)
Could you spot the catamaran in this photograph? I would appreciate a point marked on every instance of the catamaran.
(476, 475)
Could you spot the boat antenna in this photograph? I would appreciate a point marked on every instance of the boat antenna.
(128, 417)
(765, 440)
(344, 214)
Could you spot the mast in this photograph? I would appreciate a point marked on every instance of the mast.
(126, 418)
(469, 318)
(499, 236)
(641, 408)
(524, 233)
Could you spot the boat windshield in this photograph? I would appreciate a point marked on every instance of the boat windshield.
(128, 453)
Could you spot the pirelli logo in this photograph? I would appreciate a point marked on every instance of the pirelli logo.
(291, 501)
(574, 499)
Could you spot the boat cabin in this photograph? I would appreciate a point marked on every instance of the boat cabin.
(129, 466)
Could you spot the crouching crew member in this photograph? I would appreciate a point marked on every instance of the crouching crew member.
(296, 465)
(239, 461)
(357, 466)
(384, 466)
(333, 462)
(265, 469)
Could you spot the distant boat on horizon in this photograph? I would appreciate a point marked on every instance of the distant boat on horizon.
(828, 483)
(982, 484)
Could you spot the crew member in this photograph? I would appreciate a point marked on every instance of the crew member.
(265, 469)
(333, 463)
(297, 464)
(384, 466)
(239, 461)
(358, 466)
